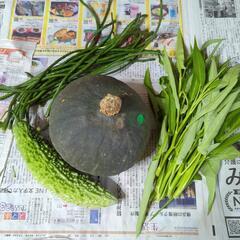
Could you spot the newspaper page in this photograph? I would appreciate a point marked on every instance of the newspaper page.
(219, 19)
(28, 210)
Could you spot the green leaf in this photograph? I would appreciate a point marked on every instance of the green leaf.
(224, 67)
(148, 188)
(164, 137)
(189, 138)
(151, 94)
(199, 69)
(230, 79)
(211, 42)
(184, 102)
(211, 168)
(235, 106)
(163, 98)
(172, 81)
(214, 51)
(167, 104)
(217, 123)
(199, 72)
(213, 71)
(231, 75)
(194, 89)
(187, 83)
(230, 125)
(226, 143)
(163, 103)
(180, 52)
(172, 114)
(163, 141)
(210, 117)
(147, 80)
(213, 146)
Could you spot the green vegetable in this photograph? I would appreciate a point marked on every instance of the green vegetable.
(56, 175)
(117, 51)
(199, 106)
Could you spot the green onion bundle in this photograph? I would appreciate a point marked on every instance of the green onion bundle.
(115, 52)
(199, 107)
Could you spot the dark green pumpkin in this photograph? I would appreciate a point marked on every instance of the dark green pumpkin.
(92, 141)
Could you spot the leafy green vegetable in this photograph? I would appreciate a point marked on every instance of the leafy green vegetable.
(218, 120)
(151, 93)
(199, 75)
(180, 53)
(164, 137)
(149, 184)
(213, 71)
(210, 42)
(172, 82)
(200, 104)
(230, 125)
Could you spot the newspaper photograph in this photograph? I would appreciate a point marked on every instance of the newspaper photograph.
(219, 9)
(128, 10)
(167, 34)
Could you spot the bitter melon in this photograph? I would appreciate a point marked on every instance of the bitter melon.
(55, 174)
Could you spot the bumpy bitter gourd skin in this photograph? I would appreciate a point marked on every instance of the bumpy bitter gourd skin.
(57, 176)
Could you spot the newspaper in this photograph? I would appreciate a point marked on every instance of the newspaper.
(29, 211)
(219, 19)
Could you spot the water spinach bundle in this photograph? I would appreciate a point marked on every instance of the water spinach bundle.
(199, 106)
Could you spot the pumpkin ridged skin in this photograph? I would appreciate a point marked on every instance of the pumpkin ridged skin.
(55, 174)
(91, 141)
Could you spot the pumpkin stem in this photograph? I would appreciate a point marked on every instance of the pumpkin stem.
(110, 105)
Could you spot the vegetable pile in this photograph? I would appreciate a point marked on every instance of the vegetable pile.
(200, 106)
(198, 109)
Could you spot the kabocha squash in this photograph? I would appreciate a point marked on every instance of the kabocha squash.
(56, 175)
(100, 125)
